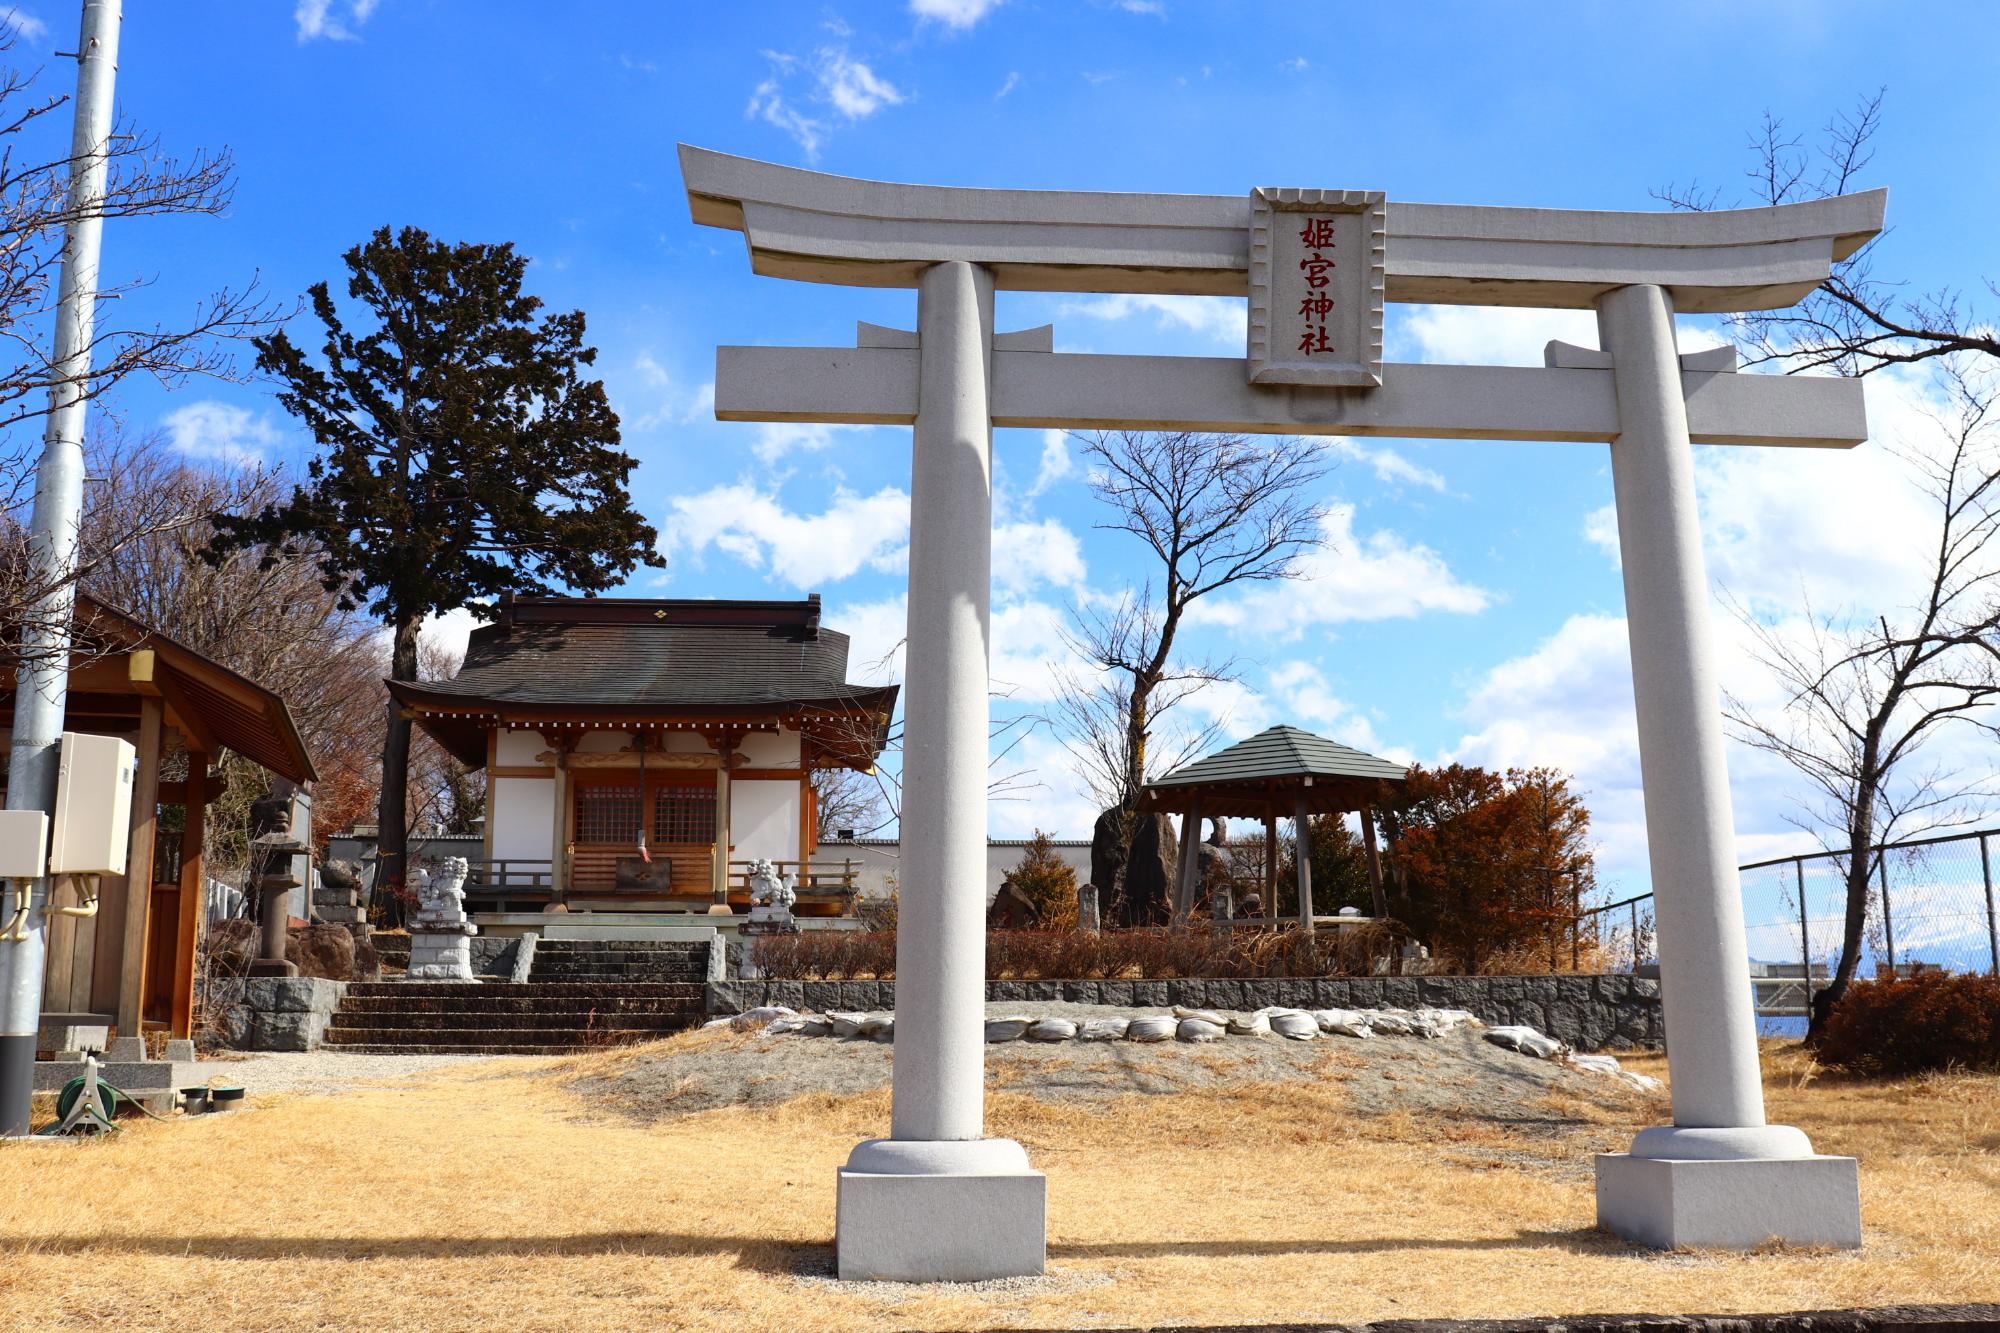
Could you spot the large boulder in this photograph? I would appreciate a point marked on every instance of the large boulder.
(1107, 853)
(321, 951)
(1149, 874)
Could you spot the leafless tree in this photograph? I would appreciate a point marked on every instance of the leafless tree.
(35, 207)
(1864, 695)
(1867, 693)
(1214, 511)
(1855, 323)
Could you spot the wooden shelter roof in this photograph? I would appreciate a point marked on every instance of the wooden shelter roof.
(122, 658)
(1269, 773)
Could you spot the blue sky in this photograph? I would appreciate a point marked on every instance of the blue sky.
(1469, 606)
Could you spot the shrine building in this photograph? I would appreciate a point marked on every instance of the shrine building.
(640, 754)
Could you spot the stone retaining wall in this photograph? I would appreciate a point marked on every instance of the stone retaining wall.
(1589, 1012)
(273, 1013)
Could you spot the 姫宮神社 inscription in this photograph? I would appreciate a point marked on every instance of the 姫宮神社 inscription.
(1316, 281)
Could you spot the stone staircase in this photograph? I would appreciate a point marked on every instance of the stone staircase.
(580, 994)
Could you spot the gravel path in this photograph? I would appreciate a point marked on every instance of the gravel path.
(319, 1072)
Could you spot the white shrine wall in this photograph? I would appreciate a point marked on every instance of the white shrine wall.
(521, 812)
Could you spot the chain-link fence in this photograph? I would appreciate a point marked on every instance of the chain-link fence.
(1931, 905)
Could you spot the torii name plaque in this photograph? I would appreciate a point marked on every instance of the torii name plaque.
(1316, 287)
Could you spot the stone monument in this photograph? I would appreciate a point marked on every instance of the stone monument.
(440, 935)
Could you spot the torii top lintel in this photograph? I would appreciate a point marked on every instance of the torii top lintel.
(815, 227)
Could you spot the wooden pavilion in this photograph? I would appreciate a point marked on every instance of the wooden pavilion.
(1281, 772)
(642, 753)
(132, 963)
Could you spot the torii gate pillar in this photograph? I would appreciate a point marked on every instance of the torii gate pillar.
(905, 1201)
(1719, 1175)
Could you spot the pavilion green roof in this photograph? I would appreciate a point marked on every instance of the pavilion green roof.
(1283, 752)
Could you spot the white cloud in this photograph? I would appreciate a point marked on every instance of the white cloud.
(850, 88)
(1223, 318)
(855, 90)
(332, 19)
(1386, 464)
(954, 13)
(447, 632)
(875, 633)
(768, 104)
(1056, 462)
(1027, 555)
(1012, 81)
(776, 439)
(1376, 576)
(221, 432)
(25, 26)
(1470, 335)
(805, 550)
(1297, 64)
(1152, 7)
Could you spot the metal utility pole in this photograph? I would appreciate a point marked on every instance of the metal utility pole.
(42, 682)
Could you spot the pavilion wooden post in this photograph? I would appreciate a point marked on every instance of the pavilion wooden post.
(1270, 866)
(559, 848)
(1378, 901)
(1302, 836)
(1190, 865)
(139, 868)
(196, 794)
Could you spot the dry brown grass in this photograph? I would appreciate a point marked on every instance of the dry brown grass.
(1255, 1203)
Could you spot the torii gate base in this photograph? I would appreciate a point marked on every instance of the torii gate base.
(937, 1200)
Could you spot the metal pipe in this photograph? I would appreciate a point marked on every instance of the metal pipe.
(1805, 938)
(1888, 924)
(1992, 925)
(42, 688)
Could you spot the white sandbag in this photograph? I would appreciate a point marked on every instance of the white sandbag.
(1205, 1015)
(1643, 1082)
(879, 1027)
(1200, 1029)
(1449, 1019)
(756, 1020)
(1595, 1064)
(1153, 1027)
(1516, 1037)
(1052, 1029)
(809, 1025)
(1291, 1023)
(1011, 1028)
(1250, 1025)
(1342, 1022)
(846, 1025)
(1103, 1029)
(1395, 1021)
(722, 1022)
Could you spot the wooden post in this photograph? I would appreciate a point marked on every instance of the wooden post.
(189, 930)
(806, 820)
(139, 868)
(1190, 864)
(1270, 867)
(719, 875)
(1302, 836)
(1379, 901)
(559, 844)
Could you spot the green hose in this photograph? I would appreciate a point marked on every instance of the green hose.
(107, 1100)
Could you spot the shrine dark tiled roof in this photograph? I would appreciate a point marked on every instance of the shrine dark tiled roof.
(655, 654)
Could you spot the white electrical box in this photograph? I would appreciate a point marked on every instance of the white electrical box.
(93, 805)
(24, 843)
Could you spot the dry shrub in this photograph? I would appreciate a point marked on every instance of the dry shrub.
(1909, 1025)
(1152, 954)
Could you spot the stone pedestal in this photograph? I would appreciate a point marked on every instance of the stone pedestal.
(940, 1212)
(1734, 1205)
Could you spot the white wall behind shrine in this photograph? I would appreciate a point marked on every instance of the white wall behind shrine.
(522, 814)
(764, 820)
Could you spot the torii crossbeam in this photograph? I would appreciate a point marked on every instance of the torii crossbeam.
(939, 1200)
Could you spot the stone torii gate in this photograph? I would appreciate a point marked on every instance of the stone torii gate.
(939, 1200)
